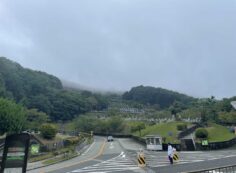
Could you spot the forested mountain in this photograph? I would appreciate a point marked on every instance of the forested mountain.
(18, 82)
(35, 89)
(163, 98)
(44, 92)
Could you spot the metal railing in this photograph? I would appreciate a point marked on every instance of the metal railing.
(226, 169)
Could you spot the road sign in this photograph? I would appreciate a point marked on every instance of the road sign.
(15, 152)
(204, 142)
(34, 149)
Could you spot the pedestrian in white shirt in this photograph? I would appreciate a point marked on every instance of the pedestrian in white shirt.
(170, 153)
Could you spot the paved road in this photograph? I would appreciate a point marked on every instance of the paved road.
(159, 159)
(196, 166)
(121, 156)
(189, 161)
(100, 157)
(120, 163)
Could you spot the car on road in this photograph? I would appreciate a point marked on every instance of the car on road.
(110, 139)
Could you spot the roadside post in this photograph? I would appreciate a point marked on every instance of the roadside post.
(15, 154)
(141, 159)
(175, 157)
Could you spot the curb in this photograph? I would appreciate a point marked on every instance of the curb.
(53, 163)
(78, 154)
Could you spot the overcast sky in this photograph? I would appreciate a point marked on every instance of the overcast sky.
(183, 45)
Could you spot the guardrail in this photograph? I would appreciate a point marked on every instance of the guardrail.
(119, 135)
(216, 145)
(225, 169)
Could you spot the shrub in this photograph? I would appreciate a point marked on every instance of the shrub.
(48, 131)
(72, 141)
(181, 126)
(201, 133)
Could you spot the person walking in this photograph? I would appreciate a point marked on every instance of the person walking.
(170, 153)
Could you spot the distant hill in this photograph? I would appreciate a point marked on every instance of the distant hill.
(17, 82)
(35, 89)
(148, 95)
(76, 86)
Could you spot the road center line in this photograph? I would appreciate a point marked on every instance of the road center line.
(92, 158)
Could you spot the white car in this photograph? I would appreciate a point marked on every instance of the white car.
(110, 139)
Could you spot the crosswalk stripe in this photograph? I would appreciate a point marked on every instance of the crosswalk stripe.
(159, 159)
(119, 163)
(102, 169)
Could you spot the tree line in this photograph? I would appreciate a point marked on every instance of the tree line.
(159, 97)
(35, 97)
(169, 103)
(44, 92)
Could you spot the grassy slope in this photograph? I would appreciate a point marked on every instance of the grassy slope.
(219, 133)
(163, 130)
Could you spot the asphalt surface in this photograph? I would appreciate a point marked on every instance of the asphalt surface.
(196, 166)
(189, 161)
(121, 156)
(100, 157)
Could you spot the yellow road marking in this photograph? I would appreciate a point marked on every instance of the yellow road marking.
(99, 153)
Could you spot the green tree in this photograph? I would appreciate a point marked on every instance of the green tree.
(115, 124)
(35, 119)
(12, 117)
(44, 92)
(224, 105)
(48, 131)
(85, 124)
(152, 96)
(227, 117)
(101, 126)
(113, 112)
(139, 126)
(192, 113)
(201, 133)
(176, 108)
(204, 117)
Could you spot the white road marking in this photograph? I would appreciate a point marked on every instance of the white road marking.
(111, 146)
(89, 147)
(119, 163)
(159, 159)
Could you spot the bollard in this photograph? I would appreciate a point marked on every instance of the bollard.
(175, 157)
(141, 159)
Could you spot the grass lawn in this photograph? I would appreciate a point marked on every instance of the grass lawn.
(167, 130)
(218, 133)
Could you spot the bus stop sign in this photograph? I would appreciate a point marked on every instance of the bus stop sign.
(15, 152)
